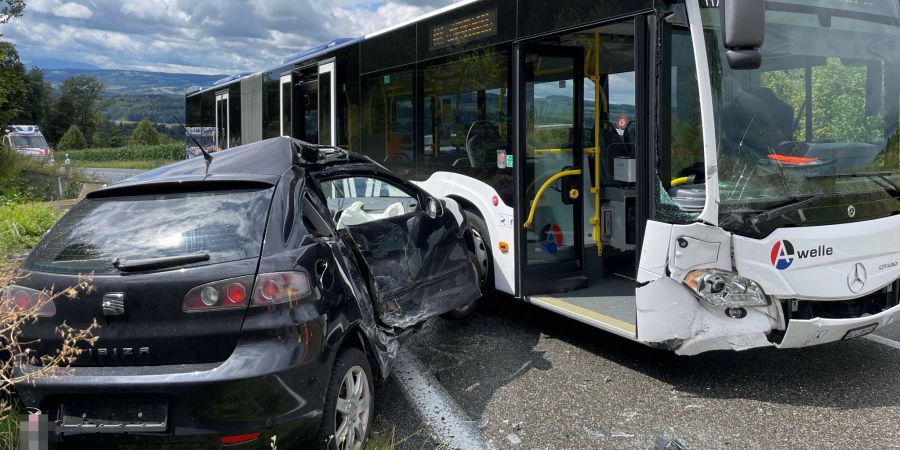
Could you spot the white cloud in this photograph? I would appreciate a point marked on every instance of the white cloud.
(69, 10)
(74, 10)
(201, 36)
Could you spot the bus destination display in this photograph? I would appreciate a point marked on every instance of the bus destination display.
(464, 30)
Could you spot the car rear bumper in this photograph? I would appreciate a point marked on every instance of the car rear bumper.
(275, 387)
(805, 333)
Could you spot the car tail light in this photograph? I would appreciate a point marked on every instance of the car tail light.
(239, 438)
(218, 295)
(281, 287)
(22, 299)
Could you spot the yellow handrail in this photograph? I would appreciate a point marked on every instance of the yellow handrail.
(540, 192)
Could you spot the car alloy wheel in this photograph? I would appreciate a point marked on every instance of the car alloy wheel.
(352, 409)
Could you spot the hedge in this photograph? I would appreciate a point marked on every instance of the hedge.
(130, 153)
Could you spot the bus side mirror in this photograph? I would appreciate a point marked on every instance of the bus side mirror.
(743, 32)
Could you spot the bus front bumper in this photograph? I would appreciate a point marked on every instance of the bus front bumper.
(805, 333)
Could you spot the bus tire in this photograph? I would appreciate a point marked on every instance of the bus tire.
(484, 264)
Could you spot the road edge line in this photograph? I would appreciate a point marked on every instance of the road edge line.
(447, 420)
(884, 341)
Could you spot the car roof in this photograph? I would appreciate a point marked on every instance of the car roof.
(260, 162)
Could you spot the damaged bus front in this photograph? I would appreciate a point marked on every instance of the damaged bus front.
(789, 236)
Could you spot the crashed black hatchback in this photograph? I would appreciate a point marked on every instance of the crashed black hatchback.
(259, 294)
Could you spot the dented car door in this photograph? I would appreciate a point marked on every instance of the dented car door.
(413, 251)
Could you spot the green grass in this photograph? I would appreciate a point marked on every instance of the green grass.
(9, 430)
(140, 164)
(23, 225)
(165, 152)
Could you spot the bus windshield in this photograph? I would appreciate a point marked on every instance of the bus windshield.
(816, 125)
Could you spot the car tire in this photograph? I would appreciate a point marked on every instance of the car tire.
(484, 264)
(353, 415)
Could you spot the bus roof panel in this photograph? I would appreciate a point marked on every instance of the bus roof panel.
(318, 50)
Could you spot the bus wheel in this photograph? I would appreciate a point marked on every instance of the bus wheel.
(483, 262)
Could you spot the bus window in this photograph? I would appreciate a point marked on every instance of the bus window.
(466, 119)
(388, 115)
(681, 193)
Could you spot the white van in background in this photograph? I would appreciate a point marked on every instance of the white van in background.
(27, 140)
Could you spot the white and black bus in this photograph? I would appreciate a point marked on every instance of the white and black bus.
(693, 175)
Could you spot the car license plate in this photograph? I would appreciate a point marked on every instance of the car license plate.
(861, 331)
(114, 416)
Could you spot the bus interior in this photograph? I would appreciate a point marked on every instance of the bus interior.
(580, 138)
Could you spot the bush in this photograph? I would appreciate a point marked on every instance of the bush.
(72, 140)
(23, 225)
(167, 152)
(144, 134)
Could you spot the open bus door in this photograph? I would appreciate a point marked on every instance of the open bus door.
(579, 210)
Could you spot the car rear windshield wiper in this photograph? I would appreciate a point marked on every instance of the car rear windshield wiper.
(794, 205)
(135, 265)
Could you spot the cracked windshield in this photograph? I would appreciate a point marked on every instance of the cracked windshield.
(816, 124)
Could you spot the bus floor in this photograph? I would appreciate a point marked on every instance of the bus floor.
(607, 303)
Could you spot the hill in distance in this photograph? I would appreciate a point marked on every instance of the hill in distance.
(54, 63)
(134, 82)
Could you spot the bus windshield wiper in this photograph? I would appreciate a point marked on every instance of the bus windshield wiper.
(787, 208)
(135, 265)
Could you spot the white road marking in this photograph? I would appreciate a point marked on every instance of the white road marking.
(452, 426)
(884, 340)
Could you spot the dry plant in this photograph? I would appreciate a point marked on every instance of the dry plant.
(18, 361)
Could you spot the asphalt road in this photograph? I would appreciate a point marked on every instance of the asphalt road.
(534, 380)
(110, 175)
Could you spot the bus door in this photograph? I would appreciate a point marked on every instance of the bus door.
(551, 155)
(578, 148)
(307, 109)
(285, 107)
(222, 123)
(327, 105)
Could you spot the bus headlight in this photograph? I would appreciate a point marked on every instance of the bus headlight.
(725, 289)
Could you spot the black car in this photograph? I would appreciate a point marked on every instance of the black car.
(261, 293)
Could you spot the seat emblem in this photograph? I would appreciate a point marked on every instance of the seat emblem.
(857, 278)
(114, 304)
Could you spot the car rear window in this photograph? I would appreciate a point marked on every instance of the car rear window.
(226, 225)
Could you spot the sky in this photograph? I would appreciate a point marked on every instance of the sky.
(195, 36)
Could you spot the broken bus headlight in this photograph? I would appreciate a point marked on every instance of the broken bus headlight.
(725, 289)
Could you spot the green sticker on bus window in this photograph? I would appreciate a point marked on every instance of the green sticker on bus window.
(387, 79)
(509, 161)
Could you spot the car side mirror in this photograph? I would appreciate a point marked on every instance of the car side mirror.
(434, 208)
(743, 32)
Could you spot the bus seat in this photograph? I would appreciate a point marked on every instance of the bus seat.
(482, 142)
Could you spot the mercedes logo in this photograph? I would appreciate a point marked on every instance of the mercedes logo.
(856, 279)
(851, 211)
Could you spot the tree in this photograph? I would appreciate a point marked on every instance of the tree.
(144, 134)
(12, 83)
(10, 9)
(72, 140)
(76, 105)
(36, 101)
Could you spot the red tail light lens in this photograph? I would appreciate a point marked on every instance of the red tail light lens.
(218, 295)
(21, 299)
(237, 293)
(281, 287)
(239, 438)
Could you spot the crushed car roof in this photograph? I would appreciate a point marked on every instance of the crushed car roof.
(263, 162)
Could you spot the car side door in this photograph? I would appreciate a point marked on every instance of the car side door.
(414, 252)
